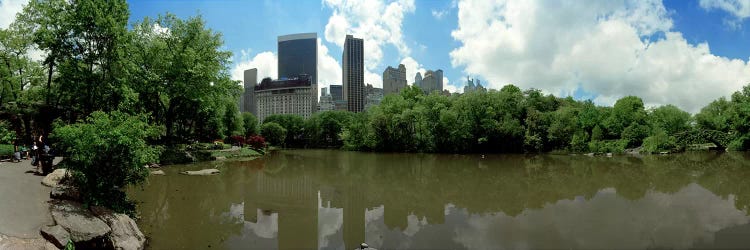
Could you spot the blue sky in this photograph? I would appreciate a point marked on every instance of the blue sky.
(683, 52)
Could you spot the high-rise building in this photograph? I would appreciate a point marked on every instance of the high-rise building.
(418, 80)
(432, 81)
(326, 101)
(353, 67)
(471, 87)
(248, 97)
(394, 79)
(373, 96)
(337, 92)
(286, 96)
(337, 96)
(298, 55)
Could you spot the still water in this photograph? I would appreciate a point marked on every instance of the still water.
(328, 199)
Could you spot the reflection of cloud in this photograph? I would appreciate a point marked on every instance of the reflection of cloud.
(658, 220)
(689, 217)
(330, 220)
(414, 224)
(267, 225)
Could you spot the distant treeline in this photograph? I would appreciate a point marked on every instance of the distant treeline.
(513, 121)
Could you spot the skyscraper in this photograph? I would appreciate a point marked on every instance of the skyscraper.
(418, 80)
(298, 55)
(394, 80)
(432, 81)
(248, 97)
(354, 73)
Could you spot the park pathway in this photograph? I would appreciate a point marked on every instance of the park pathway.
(23, 206)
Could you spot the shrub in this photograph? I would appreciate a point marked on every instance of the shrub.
(6, 150)
(659, 142)
(6, 133)
(256, 142)
(106, 153)
(273, 132)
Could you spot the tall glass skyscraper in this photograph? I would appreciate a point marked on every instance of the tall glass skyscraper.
(353, 65)
(298, 54)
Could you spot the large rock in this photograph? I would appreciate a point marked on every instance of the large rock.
(52, 179)
(209, 171)
(82, 225)
(157, 172)
(125, 234)
(56, 235)
(65, 192)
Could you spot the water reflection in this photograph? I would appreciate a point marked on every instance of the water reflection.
(336, 200)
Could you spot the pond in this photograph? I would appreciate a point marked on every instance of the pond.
(330, 199)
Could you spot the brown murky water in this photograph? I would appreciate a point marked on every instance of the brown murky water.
(327, 199)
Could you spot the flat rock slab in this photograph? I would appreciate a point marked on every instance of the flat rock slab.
(125, 233)
(56, 235)
(82, 225)
(157, 172)
(52, 179)
(65, 192)
(209, 171)
(7, 242)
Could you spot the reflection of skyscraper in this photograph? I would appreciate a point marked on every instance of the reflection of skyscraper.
(298, 55)
(354, 73)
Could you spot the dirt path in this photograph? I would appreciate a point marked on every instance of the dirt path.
(23, 202)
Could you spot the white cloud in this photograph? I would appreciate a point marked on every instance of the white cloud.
(740, 9)
(412, 67)
(378, 23)
(329, 70)
(603, 47)
(265, 62)
(8, 10)
(451, 88)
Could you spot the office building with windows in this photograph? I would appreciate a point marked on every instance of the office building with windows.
(394, 79)
(353, 67)
(295, 95)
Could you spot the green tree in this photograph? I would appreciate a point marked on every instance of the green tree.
(250, 123)
(670, 119)
(107, 153)
(294, 126)
(274, 133)
(715, 116)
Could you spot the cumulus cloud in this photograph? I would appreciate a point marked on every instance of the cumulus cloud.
(265, 62)
(8, 11)
(378, 23)
(329, 70)
(412, 67)
(611, 48)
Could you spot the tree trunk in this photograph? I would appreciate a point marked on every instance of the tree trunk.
(49, 81)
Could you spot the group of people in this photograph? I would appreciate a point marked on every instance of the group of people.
(37, 149)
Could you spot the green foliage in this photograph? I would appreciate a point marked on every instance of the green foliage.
(715, 116)
(6, 150)
(293, 125)
(250, 123)
(7, 135)
(324, 129)
(609, 146)
(659, 142)
(106, 153)
(670, 119)
(274, 133)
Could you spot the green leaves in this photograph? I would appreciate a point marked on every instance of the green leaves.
(107, 152)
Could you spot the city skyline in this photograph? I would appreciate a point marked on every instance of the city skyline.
(685, 53)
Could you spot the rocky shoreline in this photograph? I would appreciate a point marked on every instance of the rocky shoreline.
(86, 228)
